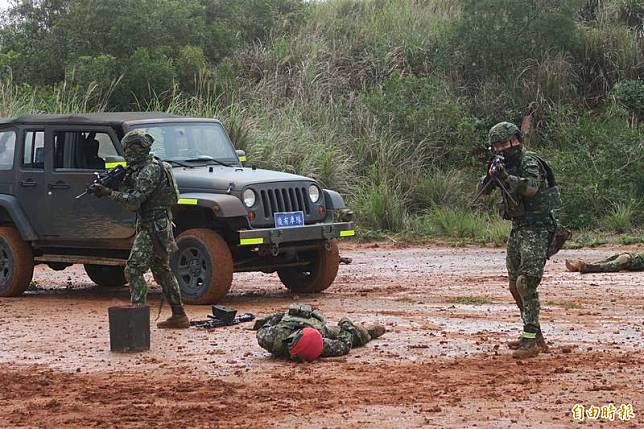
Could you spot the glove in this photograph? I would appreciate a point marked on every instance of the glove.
(101, 191)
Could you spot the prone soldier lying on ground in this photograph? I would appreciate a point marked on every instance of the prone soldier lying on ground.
(302, 334)
(618, 262)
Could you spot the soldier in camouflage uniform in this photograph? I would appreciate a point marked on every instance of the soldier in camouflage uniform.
(619, 262)
(526, 178)
(150, 190)
(278, 332)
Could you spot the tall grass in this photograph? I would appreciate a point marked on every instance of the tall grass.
(622, 217)
(373, 98)
(17, 100)
(463, 224)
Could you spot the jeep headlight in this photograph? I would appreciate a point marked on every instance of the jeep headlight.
(249, 197)
(314, 193)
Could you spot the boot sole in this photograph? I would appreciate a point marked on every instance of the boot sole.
(173, 327)
(514, 345)
(519, 355)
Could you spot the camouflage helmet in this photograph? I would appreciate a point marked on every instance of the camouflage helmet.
(503, 131)
(138, 137)
(306, 344)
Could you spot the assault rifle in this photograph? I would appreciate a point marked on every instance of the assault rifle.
(111, 178)
(215, 322)
(496, 165)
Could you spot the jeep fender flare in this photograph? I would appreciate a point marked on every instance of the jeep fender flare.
(222, 205)
(333, 200)
(17, 216)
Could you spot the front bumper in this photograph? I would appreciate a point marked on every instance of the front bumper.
(320, 231)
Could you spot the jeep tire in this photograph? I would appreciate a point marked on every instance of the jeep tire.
(318, 275)
(110, 276)
(16, 263)
(203, 266)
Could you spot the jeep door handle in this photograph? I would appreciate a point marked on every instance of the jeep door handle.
(58, 185)
(29, 183)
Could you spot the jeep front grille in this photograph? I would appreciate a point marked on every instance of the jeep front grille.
(285, 199)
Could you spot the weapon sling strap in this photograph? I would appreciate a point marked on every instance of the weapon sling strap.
(550, 175)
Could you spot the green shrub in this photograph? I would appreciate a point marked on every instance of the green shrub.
(445, 188)
(463, 224)
(494, 36)
(380, 206)
(622, 217)
(423, 111)
(630, 94)
(599, 163)
(606, 54)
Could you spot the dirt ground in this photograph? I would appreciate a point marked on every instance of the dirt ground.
(442, 363)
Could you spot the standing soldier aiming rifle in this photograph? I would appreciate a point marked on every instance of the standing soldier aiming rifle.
(529, 196)
(149, 189)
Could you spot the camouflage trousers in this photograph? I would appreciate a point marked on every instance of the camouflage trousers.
(142, 258)
(618, 262)
(525, 259)
(337, 341)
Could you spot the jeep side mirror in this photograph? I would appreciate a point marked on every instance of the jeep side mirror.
(112, 161)
(241, 155)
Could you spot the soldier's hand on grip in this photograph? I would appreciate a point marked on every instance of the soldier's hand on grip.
(499, 171)
(100, 191)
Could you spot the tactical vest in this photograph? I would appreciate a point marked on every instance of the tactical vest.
(536, 209)
(166, 194)
(303, 322)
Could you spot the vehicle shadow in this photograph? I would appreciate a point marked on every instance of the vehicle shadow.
(90, 292)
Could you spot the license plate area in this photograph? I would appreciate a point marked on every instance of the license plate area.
(288, 219)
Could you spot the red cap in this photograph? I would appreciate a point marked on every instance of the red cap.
(308, 347)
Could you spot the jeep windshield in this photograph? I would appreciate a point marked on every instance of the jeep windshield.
(194, 143)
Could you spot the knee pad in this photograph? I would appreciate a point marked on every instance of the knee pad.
(521, 285)
(513, 286)
(527, 286)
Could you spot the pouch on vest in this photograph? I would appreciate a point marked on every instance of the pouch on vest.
(509, 211)
(300, 310)
(559, 237)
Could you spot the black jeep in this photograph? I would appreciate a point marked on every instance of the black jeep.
(229, 218)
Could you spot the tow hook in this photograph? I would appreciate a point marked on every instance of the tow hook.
(275, 249)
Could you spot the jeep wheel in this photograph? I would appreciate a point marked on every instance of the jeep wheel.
(16, 263)
(203, 266)
(315, 277)
(106, 275)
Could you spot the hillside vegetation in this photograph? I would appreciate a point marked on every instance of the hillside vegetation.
(387, 101)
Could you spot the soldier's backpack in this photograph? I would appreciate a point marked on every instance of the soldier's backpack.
(561, 233)
(167, 191)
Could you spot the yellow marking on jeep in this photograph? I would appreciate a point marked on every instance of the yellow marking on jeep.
(242, 159)
(188, 201)
(347, 233)
(251, 241)
(110, 165)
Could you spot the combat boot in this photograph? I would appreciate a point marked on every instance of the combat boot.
(575, 265)
(541, 342)
(359, 334)
(178, 320)
(529, 346)
(375, 331)
(527, 349)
